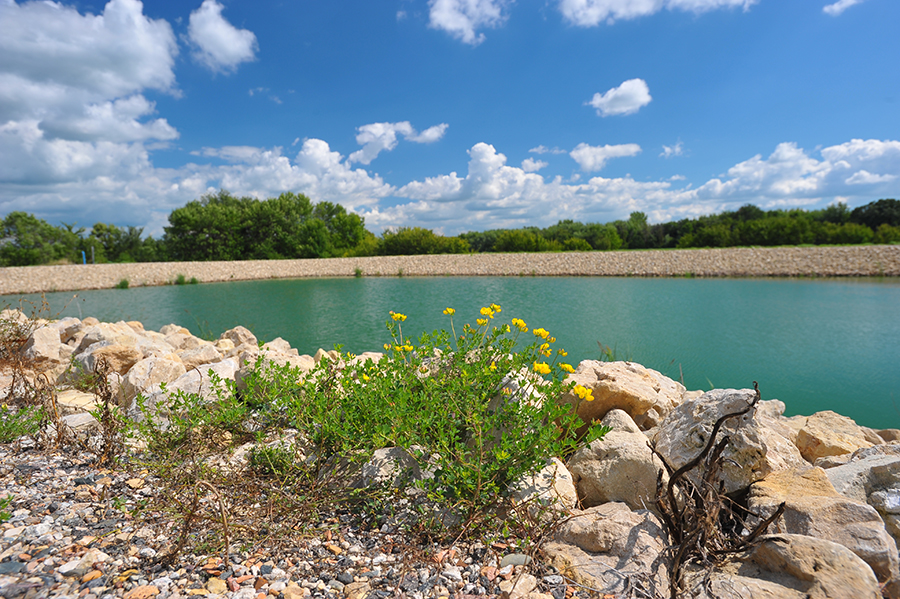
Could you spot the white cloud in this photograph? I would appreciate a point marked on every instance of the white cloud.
(839, 7)
(589, 13)
(377, 137)
(864, 177)
(219, 45)
(669, 151)
(544, 150)
(628, 98)
(593, 158)
(460, 18)
(530, 165)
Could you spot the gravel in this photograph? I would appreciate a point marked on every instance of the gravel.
(866, 260)
(73, 532)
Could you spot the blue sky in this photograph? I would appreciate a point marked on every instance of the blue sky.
(454, 115)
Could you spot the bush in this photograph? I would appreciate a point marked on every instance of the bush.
(416, 241)
(887, 234)
(482, 405)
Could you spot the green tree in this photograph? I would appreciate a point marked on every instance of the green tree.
(410, 241)
(27, 240)
(875, 214)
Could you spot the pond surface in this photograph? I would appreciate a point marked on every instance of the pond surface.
(820, 344)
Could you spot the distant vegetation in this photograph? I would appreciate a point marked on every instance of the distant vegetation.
(223, 227)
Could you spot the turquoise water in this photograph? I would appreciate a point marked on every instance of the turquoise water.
(815, 344)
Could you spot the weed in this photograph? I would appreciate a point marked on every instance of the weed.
(194, 281)
(22, 422)
(123, 284)
(5, 502)
(358, 272)
(112, 421)
(399, 272)
(180, 280)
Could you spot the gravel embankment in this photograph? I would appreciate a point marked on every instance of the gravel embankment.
(883, 260)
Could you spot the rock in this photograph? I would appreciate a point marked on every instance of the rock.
(626, 386)
(239, 335)
(119, 357)
(43, 345)
(827, 434)
(813, 508)
(552, 486)
(889, 435)
(619, 467)
(216, 586)
(754, 451)
(280, 346)
(204, 354)
(224, 345)
(72, 401)
(519, 586)
(146, 376)
(113, 333)
(197, 382)
(599, 546)
(171, 329)
(331, 355)
(249, 359)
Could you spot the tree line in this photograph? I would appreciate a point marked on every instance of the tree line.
(224, 227)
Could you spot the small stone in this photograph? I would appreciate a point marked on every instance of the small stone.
(334, 549)
(515, 559)
(216, 586)
(92, 575)
(135, 483)
(142, 592)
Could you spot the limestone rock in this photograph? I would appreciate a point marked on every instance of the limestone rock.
(280, 346)
(598, 546)
(171, 329)
(239, 335)
(889, 435)
(72, 401)
(619, 467)
(117, 333)
(331, 355)
(552, 486)
(754, 451)
(119, 357)
(788, 566)
(67, 328)
(203, 354)
(196, 381)
(813, 508)
(827, 434)
(43, 345)
(146, 376)
(626, 386)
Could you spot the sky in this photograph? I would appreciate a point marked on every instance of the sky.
(453, 115)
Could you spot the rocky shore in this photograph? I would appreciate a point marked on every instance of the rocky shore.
(838, 261)
(829, 488)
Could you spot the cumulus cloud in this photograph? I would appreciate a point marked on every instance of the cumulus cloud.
(530, 165)
(669, 151)
(460, 18)
(377, 137)
(628, 98)
(589, 13)
(839, 7)
(219, 45)
(593, 158)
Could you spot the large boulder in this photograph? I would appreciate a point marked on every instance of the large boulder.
(755, 448)
(813, 508)
(119, 356)
(788, 566)
(196, 382)
(43, 346)
(146, 376)
(239, 335)
(118, 333)
(829, 434)
(202, 354)
(619, 467)
(872, 475)
(551, 487)
(605, 545)
(646, 395)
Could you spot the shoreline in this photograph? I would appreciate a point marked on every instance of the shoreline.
(818, 261)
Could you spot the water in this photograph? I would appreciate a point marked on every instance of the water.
(831, 344)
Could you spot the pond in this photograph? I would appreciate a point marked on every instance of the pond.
(816, 344)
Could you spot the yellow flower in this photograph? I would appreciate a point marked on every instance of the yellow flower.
(449, 311)
(407, 348)
(544, 347)
(487, 312)
(365, 377)
(387, 346)
(583, 392)
(495, 308)
(520, 324)
(542, 333)
(482, 322)
(562, 352)
(397, 316)
(493, 366)
(541, 368)
(552, 340)
(566, 367)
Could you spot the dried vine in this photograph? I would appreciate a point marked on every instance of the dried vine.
(699, 518)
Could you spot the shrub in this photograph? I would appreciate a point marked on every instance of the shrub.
(123, 284)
